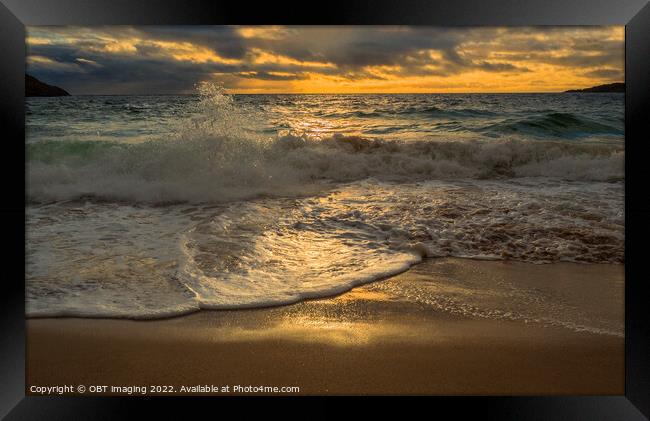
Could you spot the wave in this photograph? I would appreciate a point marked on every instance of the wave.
(566, 125)
(214, 157)
(451, 113)
(274, 251)
(222, 168)
(545, 124)
(415, 111)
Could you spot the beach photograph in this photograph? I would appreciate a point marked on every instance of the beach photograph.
(324, 210)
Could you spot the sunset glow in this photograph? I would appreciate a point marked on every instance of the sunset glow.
(276, 59)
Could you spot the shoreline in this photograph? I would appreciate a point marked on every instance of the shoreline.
(393, 336)
(325, 296)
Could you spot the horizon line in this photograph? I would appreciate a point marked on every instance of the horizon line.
(348, 93)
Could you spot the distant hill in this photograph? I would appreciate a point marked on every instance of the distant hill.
(34, 87)
(610, 87)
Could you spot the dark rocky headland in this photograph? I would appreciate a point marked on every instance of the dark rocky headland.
(610, 87)
(34, 87)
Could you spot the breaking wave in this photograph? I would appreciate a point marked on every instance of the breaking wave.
(222, 168)
(214, 156)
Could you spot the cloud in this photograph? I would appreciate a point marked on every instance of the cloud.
(86, 62)
(43, 63)
(606, 73)
(159, 59)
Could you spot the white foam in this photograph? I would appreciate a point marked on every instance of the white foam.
(117, 260)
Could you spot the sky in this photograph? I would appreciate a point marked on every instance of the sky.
(324, 59)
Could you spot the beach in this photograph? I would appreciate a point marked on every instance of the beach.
(441, 328)
(325, 211)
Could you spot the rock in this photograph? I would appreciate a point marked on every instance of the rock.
(610, 87)
(34, 87)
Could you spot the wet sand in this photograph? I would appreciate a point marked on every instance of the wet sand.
(403, 335)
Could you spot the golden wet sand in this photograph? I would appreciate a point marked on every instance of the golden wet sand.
(402, 335)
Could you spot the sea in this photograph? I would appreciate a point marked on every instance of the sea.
(146, 207)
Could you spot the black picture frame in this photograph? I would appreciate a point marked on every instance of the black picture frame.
(634, 14)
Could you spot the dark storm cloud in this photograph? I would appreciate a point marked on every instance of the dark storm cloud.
(225, 40)
(155, 59)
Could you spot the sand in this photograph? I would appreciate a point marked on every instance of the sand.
(403, 335)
